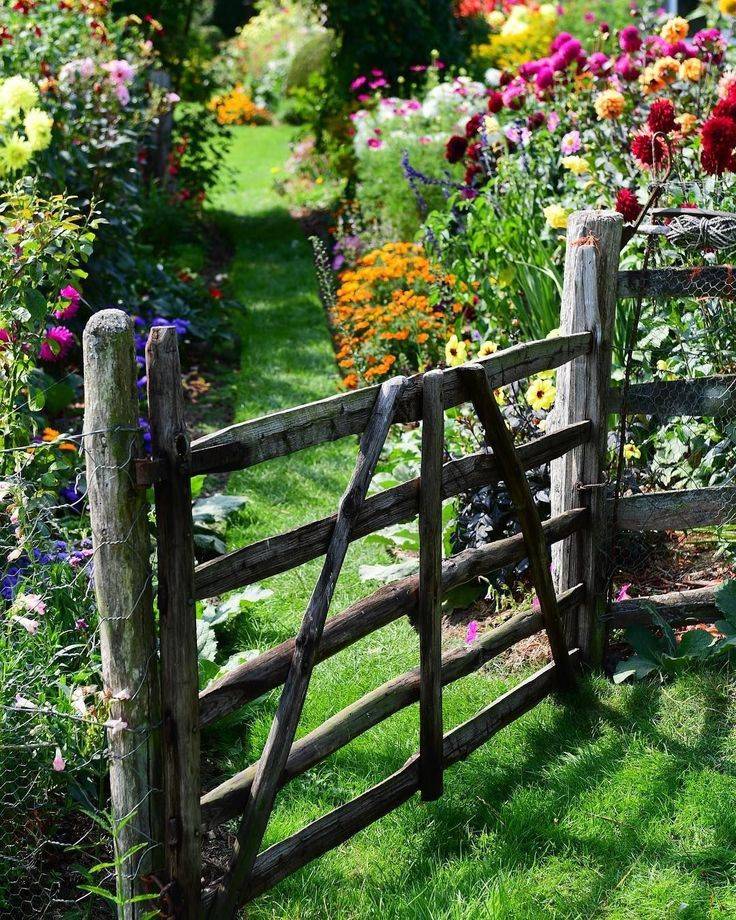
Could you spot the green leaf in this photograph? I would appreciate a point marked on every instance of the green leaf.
(463, 596)
(197, 484)
(726, 600)
(696, 643)
(217, 508)
(635, 667)
(644, 643)
(386, 573)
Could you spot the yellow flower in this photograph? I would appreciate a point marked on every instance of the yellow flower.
(487, 348)
(577, 165)
(17, 94)
(609, 104)
(687, 123)
(16, 153)
(548, 12)
(666, 69)
(495, 19)
(727, 7)
(556, 216)
(320, 180)
(692, 70)
(541, 395)
(675, 30)
(456, 352)
(631, 452)
(491, 124)
(38, 129)
(500, 396)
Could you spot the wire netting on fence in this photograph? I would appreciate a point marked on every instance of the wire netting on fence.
(676, 405)
(58, 721)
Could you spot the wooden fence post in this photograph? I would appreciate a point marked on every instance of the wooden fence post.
(430, 586)
(588, 303)
(122, 577)
(177, 624)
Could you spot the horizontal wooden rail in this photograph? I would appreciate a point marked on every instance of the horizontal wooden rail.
(392, 506)
(322, 835)
(684, 509)
(282, 433)
(702, 281)
(384, 606)
(228, 799)
(698, 397)
(695, 606)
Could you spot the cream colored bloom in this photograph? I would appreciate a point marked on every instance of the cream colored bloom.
(687, 122)
(692, 70)
(16, 153)
(577, 165)
(609, 105)
(38, 126)
(556, 216)
(487, 348)
(17, 95)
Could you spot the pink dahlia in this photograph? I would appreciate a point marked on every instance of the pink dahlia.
(57, 344)
(73, 298)
(629, 39)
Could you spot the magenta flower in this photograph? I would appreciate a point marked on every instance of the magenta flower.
(358, 82)
(553, 121)
(56, 346)
(535, 603)
(629, 39)
(74, 297)
(623, 594)
(472, 631)
(375, 142)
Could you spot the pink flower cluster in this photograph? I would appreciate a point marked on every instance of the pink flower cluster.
(120, 74)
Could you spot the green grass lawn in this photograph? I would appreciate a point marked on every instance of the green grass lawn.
(620, 805)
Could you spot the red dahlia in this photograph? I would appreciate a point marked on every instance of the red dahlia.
(473, 125)
(495, 102)
(628, 204)
(648, 150)
(718, 137)
(455, 148)
(661, 116)
(727, 106)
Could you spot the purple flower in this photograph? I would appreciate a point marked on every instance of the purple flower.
(472, 632)
(629, 39)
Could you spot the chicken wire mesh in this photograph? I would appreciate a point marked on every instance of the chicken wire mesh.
(676, 402)
(60, 728)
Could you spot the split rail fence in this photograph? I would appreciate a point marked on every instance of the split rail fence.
(571, 610)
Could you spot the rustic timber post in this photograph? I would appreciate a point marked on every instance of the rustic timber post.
(122, 577)
(430, 586)
(500, 439)
(588, 303)
(177, 625)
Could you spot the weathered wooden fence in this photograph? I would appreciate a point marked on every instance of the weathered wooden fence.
(571, 611)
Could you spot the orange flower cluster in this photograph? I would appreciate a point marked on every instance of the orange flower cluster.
(392, 314)
(237, 108)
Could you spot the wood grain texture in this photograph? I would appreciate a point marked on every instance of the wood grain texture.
(697, 605)
(392, 506)
(384, 606)
(227, 800)
(119, 522)
(658, 283)
(177, 624)
(283, 728)
(588, 302)
(679, 510)
(324, 834)
(699, 397)
(430, 588)
(281, 433)
(537, 549)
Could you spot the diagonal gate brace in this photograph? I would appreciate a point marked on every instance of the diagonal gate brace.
(499, 438)
(224, 902)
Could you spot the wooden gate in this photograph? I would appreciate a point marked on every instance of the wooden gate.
(571, 611)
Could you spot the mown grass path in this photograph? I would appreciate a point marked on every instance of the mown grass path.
(620, 806)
